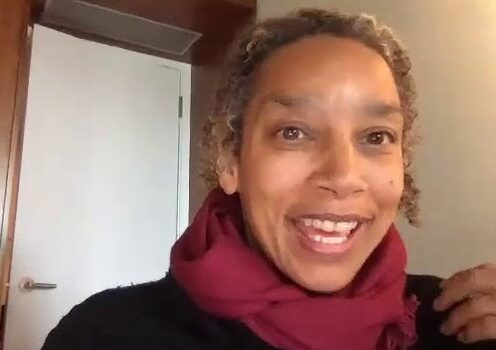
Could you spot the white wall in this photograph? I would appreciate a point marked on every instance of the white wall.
(453, 48)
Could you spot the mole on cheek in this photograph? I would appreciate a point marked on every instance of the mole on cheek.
(391, 182)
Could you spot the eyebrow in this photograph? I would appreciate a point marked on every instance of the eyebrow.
(382, 109)
(373, 108)
(287, 100)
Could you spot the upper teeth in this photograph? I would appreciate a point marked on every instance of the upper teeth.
(330, 226)
(329, 240)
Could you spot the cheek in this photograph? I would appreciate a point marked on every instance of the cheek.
(386, 184)
(270, 181)
(275, 172)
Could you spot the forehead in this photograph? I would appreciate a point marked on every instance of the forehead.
(327, 67)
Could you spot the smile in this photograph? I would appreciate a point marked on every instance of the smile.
(329, 234)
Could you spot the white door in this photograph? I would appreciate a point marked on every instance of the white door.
(98, 199)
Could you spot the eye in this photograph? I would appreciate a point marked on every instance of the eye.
(292, 134)
(380, 138)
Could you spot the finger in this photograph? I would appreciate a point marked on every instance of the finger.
(453, 277)
(478, 330)
(466, 283)
(472, 309)
(462, 275)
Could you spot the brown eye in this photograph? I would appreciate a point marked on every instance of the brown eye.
(292, 133)
(380, 138)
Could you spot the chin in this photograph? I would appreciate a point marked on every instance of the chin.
(331, 281)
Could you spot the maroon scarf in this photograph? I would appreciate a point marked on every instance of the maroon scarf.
(228, 279)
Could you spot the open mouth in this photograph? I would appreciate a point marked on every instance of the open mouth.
(326, 235)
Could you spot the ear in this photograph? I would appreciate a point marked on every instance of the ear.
(228, 172)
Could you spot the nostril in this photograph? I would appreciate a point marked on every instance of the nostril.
(327, 189)
(342, 190)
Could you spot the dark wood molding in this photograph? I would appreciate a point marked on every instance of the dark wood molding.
(15, 36)
(246, 3)
(14, 25)
(207, 59)
(13, 176)
(216, 20)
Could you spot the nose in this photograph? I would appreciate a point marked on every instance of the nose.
(339, 169)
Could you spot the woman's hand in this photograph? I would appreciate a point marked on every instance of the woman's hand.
(473, 291)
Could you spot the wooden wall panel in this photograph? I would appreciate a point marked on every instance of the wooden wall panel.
(14, 69)
(14, 23)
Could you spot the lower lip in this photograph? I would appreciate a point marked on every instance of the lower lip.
(325, 248)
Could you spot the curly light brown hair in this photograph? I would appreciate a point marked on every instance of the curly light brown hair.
(224, 129)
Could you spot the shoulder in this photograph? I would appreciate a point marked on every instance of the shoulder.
(124, 304)
(152, 316)
(122, 301)
(426, 289)
(142, 316)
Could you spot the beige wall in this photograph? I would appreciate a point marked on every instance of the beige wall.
(453, 47)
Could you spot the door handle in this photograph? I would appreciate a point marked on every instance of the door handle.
(28, 285)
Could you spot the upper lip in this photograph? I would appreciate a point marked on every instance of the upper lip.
(336, 217)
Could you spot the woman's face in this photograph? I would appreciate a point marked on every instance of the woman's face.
(320, 172)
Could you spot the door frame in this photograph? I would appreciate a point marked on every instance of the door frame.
(184, 115)
(15, 34)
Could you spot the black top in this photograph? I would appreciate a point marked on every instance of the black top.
(161, 316)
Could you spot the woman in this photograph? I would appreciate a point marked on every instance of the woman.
(311, 144)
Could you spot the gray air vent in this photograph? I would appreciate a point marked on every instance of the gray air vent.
(112, 24)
